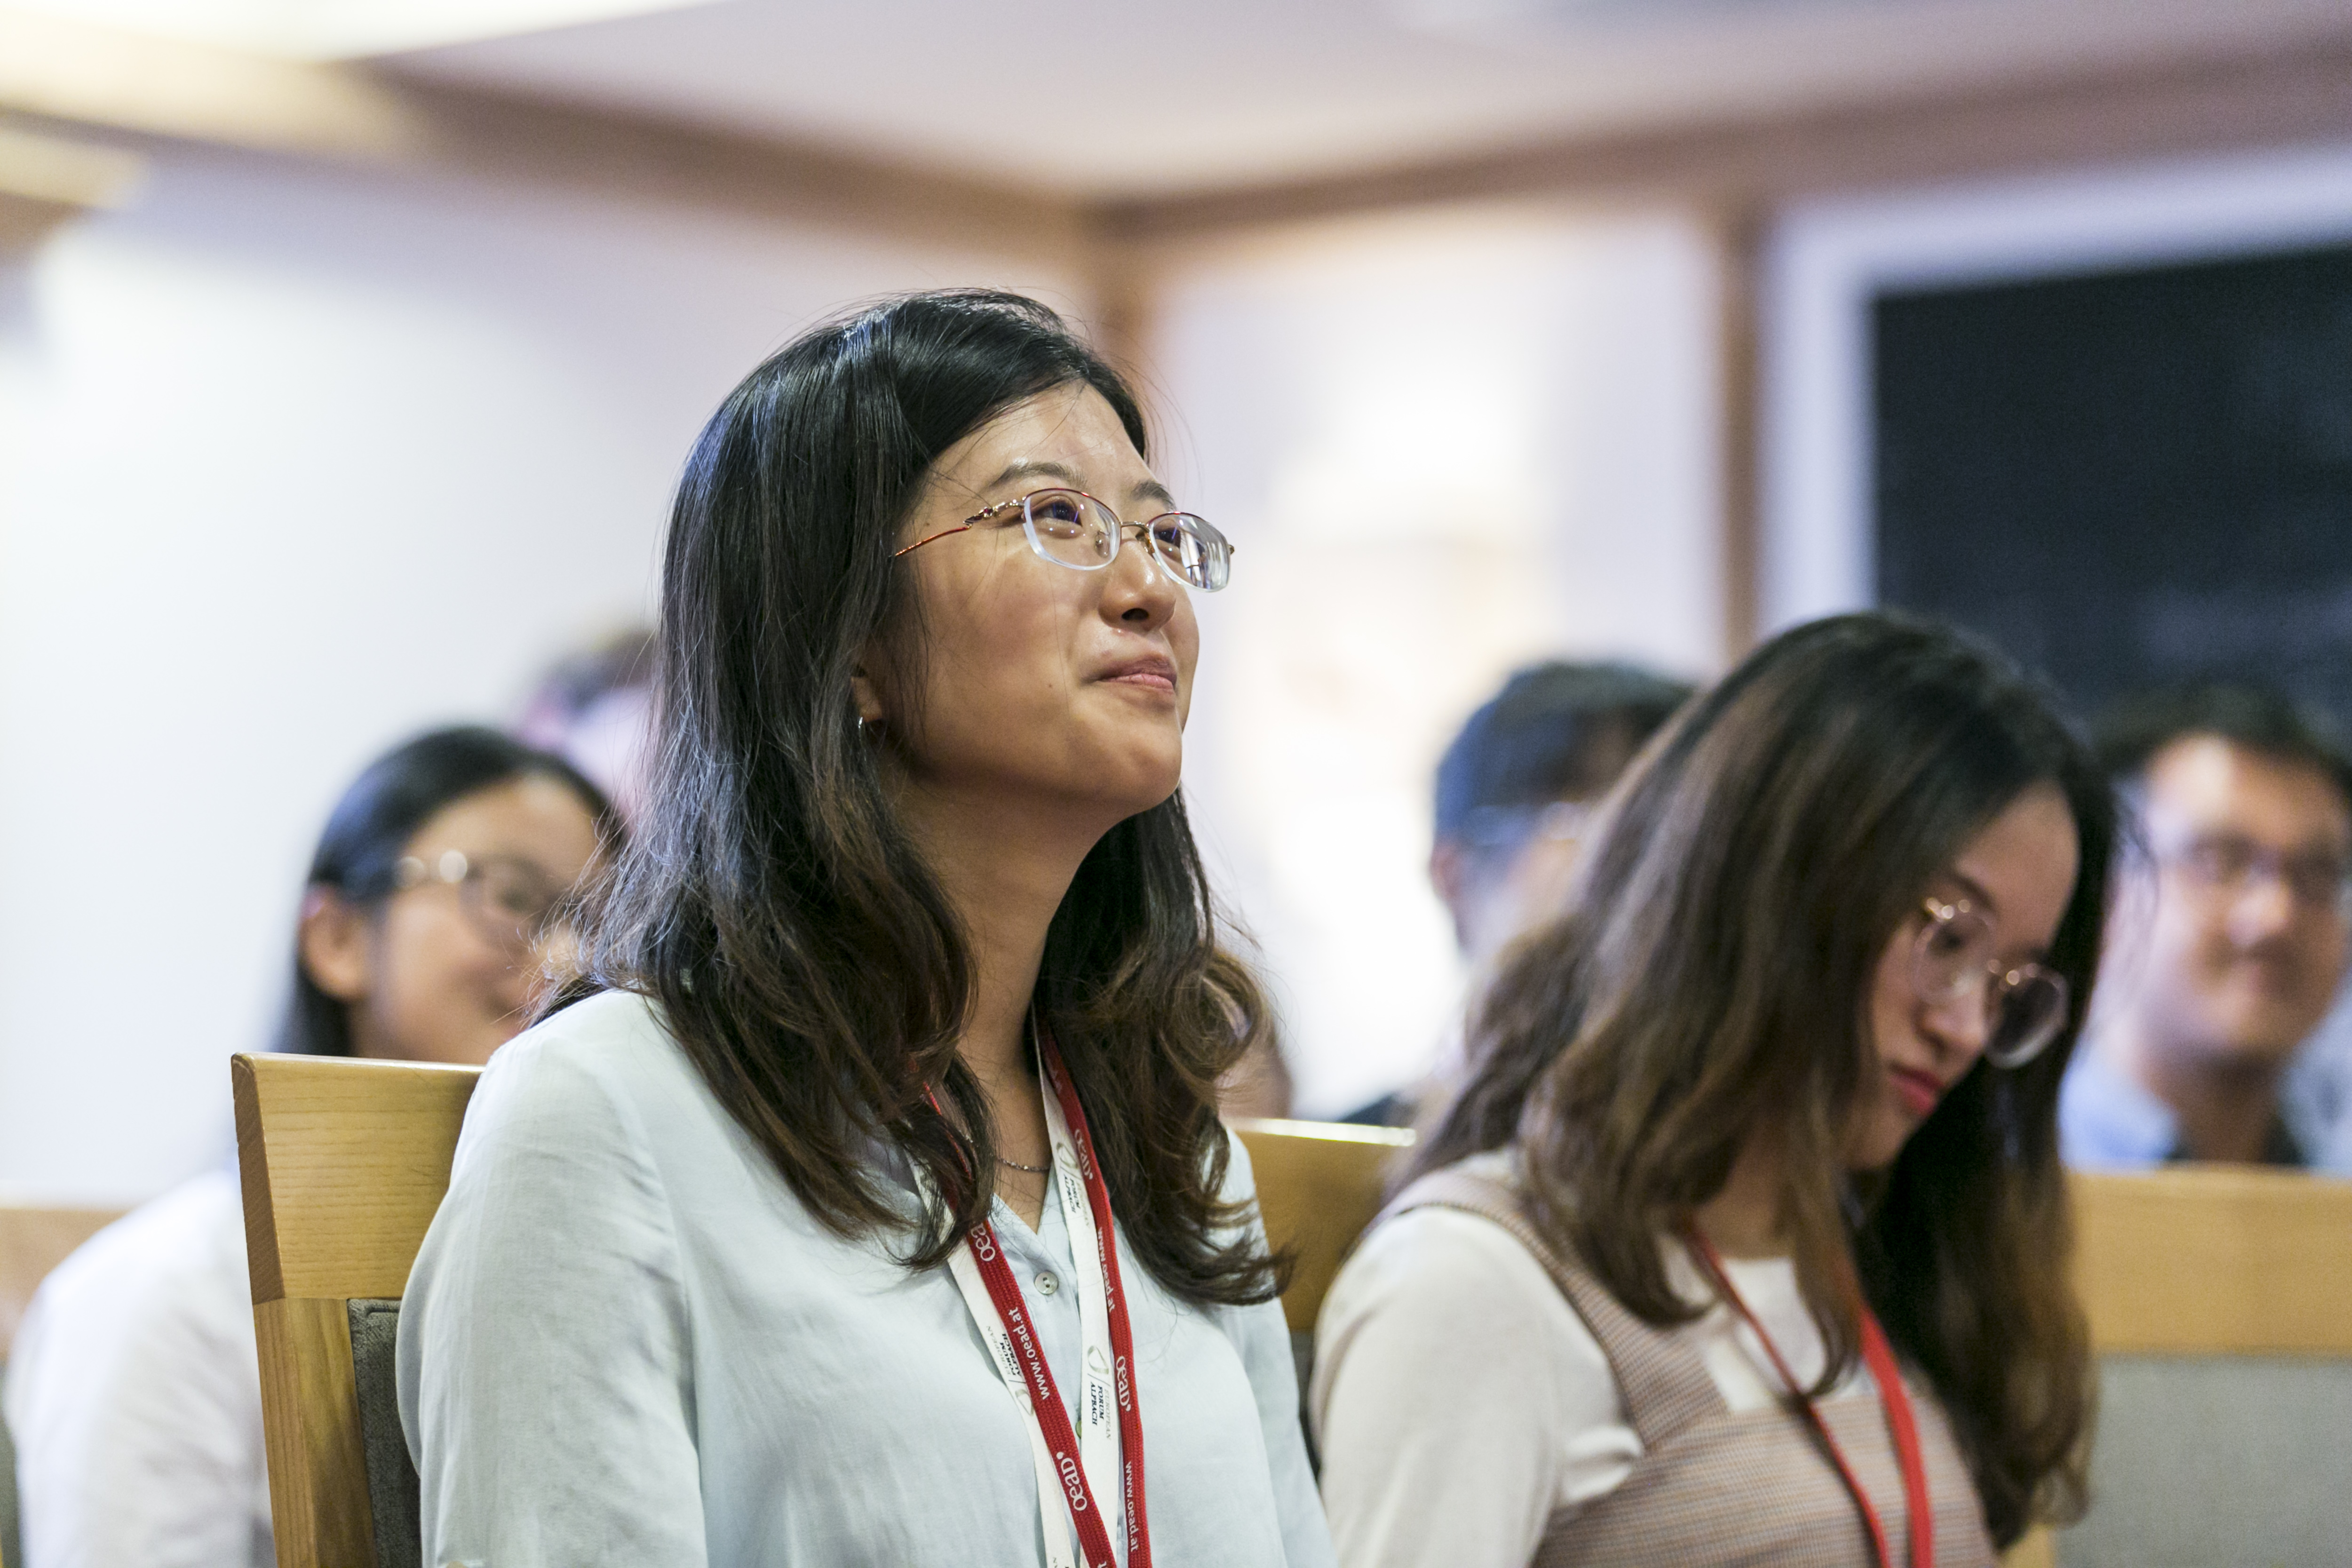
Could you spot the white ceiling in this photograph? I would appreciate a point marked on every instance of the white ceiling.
(1106, 98)
(1101, 97)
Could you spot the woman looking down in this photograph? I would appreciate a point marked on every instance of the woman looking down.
(867, 1203)
(1746, 1240)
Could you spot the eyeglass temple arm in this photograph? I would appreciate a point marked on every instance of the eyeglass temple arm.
(981, 516)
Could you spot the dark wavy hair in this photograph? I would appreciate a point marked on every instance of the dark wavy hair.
(1713, 976)
(805, 958)
(368, 830)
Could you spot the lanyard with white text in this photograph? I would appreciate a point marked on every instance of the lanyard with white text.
(1901, 1423)
(1069, 1481)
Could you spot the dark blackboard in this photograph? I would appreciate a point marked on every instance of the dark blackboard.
(2128, 478)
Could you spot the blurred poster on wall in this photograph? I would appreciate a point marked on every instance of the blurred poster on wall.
(2128, 478)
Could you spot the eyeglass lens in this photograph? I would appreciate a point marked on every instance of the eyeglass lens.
(2025, 1006)
(1074, 530)
(2228, 864)
(509, 902)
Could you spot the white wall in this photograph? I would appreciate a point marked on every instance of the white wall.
(1444, 446)
(293, 463)
(1828, 259)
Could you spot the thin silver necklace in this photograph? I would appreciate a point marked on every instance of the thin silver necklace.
(1033, 1169)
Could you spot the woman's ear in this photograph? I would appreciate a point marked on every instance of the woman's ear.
(332, 940)
(866, 691)
(867, 700)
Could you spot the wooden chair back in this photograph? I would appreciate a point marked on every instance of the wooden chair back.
(1320, 1183)
(2200, 1260)
(2191, 1270)
(344, 1163)
(34, 1239)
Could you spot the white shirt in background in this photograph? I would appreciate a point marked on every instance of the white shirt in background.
(135, 1396)
(1459, 1401)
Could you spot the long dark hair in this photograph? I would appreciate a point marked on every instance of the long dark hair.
(1713, 976)
(369, 831)
(805, 958)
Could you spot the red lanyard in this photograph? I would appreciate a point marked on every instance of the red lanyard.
(1901, 1425)
(1052, 1419)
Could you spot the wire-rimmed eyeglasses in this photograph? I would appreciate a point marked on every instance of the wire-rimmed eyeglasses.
(1509, 826)
(2229, 865)
(2024, 1005)
(510, 901)
(1070, 528)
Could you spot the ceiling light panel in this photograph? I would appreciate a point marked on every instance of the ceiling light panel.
(339, 29)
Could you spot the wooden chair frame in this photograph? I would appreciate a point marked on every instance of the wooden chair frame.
(2200, 1260)
(344, 1164)
(1320, 1183)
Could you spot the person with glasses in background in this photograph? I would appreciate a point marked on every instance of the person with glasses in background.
(1746, 1239)
(1514, 791)
(864, 1201)
(2233, 931)
(434, 899)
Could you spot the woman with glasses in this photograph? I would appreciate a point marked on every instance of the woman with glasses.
(133, 1387)
(1746, 1240)
(865, 1202)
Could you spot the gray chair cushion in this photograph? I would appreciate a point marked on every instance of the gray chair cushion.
(393, 1496)
(1302, 1358)
(2218, 1459)
(12, 1551)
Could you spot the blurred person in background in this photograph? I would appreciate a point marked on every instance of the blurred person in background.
(594, 709)
(1746, 1241)
(134, 1387)
(1514, 791)
(2317, 1095)
(2232, 930)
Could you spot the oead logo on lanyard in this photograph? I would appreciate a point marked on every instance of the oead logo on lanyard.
(1071, 1474)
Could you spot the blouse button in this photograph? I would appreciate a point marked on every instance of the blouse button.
(1047, 1284)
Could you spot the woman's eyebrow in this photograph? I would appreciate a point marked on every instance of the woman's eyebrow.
(1975, 890)
(1990, 907)
(1032, 468)
(1150, 490)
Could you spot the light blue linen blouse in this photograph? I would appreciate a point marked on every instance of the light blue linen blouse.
(625, 1342)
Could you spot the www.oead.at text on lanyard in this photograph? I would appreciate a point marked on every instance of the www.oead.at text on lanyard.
(1069, 1473)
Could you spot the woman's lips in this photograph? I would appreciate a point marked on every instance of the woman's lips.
(1917, 1090)
(1151, 674)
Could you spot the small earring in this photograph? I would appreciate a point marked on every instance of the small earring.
(861, 724)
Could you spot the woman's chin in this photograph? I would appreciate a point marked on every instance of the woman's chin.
(1144, 795)
(1878, 1144)
(1139, 775)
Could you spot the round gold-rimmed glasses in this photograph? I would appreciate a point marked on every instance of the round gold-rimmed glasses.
(1070, 528)
(2024, 1004)
(510, 901)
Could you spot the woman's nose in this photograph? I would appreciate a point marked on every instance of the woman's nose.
(1961, 1024)
(1142, 591)
(2263, 908)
